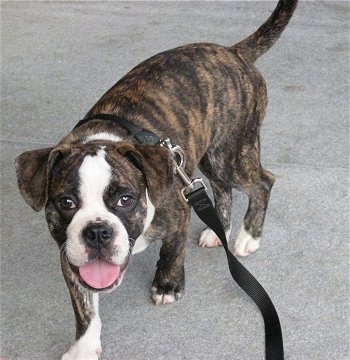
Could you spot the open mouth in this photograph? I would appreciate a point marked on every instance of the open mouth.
(100, 274)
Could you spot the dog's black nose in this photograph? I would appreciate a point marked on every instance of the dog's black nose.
(97, 234)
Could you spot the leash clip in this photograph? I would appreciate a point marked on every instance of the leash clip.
(179, 158)
(191, 186)
(176, 151)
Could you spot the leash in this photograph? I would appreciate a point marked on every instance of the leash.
(205, 210)
(195, 194)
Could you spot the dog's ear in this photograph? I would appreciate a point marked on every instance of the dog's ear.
(157, 166)
(32, 175)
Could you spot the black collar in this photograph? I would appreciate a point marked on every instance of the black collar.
(142, 135)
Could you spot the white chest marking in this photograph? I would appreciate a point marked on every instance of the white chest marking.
(141, 242)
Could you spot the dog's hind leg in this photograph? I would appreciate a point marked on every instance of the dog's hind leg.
(222, 192)
(243, 172)
(248, 239)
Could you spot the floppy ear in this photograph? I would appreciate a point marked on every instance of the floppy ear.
(32, 173)
(157, 166)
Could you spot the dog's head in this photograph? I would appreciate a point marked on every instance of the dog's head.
(99, 198)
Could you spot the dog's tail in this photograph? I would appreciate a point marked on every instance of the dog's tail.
(259, 42)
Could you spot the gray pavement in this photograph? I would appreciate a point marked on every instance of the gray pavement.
(58, 58)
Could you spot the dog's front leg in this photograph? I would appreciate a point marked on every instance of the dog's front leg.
(87, 345)
(169, 281)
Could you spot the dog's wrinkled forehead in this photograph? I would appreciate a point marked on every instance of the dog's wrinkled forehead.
(91, 166)
(45, 174)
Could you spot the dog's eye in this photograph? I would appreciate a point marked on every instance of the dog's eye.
(67, 203)
(125, 201)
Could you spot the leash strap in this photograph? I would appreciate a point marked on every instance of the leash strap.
(205, 210)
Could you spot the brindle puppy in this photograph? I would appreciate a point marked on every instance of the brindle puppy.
(103, 192)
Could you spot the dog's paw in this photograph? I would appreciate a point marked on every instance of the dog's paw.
(77, 352)
(245, 244)
(161, 298)
(209, 239)
(168, 285)
(88, 347)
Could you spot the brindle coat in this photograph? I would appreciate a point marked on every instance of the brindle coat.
(207, 98)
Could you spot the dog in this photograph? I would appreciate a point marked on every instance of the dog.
(107, 196)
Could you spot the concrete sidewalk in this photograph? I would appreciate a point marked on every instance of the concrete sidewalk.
(58, 58)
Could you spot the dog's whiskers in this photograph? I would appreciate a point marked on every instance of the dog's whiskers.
(132, 243)
(63, 248)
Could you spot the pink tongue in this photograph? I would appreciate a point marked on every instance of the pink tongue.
(99, 274)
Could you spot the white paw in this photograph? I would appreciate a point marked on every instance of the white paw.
(162, 299)
(77, 352)
(209, 239)
(245, 243)
(88, 347)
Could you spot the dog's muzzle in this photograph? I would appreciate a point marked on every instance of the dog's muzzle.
(97, 235)
(100, 272)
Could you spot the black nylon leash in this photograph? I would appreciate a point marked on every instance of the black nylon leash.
(205, 210)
